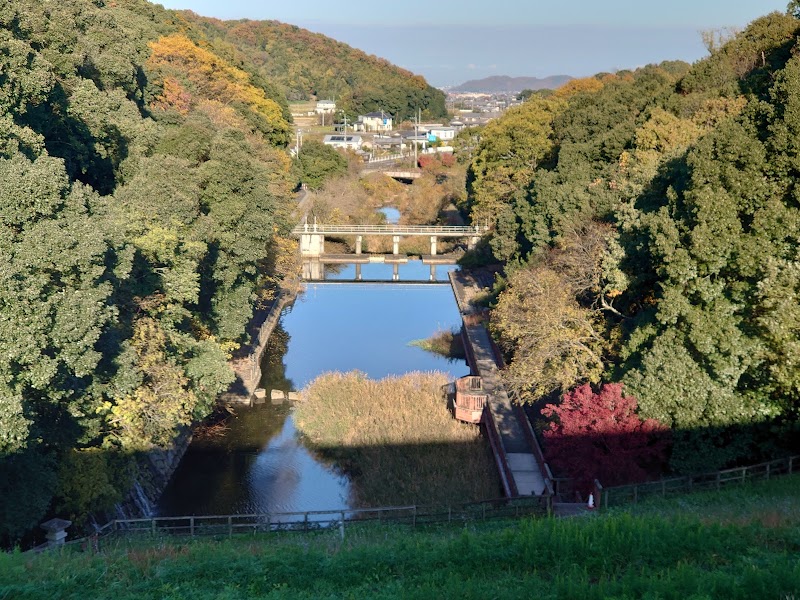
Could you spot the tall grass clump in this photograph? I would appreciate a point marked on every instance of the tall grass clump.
(396, 439)
(445, 342)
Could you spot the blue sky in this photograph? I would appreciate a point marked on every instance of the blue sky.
(450, 42)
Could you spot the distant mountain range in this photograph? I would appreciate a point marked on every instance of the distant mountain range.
(503, 83)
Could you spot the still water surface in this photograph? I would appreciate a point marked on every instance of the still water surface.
(260, 465)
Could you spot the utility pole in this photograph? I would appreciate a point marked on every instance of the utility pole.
(416, 135)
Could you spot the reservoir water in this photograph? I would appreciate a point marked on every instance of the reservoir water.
(259, 464)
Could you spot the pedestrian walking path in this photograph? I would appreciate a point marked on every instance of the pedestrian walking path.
(518, 454)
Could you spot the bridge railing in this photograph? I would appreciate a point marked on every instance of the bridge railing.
(390, 229)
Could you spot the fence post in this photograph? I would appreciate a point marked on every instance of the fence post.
(305, 522)
(744, 475)
(719, 477)
(153, 526)
(768, 465)
(191, 526)
(414, 519)
(230, 526)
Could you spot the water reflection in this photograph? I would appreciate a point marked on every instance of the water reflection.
(378, 269)
(260, 465)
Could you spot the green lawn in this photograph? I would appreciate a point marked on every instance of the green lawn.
(727, 545)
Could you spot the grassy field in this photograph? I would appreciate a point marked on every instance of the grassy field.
(396, 439)
(676, 549)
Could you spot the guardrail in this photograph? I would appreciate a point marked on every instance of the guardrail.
(627, 494)
(387, 158)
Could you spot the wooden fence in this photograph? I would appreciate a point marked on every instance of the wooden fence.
(311, 521)
(626, 494)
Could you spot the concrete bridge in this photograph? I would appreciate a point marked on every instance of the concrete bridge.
(312, 237)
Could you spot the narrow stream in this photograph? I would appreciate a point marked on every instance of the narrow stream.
(259, 464)
(391, 213)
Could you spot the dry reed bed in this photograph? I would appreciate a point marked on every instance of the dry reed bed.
(396, 439)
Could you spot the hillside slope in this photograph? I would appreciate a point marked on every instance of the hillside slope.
(660, 207)
(291, 57)
(664, 554)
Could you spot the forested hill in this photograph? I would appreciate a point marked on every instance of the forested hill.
(306, 64)
(144, 191)
(650, 227)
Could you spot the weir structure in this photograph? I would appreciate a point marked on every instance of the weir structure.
(312, 236)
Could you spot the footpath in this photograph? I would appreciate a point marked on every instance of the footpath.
(521, 457)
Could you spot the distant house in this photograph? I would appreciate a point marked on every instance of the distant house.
(388, 143)
(325, 107)
(441, 134)
(338, 140)
(374, 121)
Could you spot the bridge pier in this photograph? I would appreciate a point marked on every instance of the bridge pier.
(434, 239)
(433, 272)
(358, 271)
(473, 241)
(395, 244)
(359, 242)
(313, 270)
(396, 272)
(312, 244)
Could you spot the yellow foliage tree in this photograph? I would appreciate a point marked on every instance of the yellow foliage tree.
(162, 403)
(589, 85)
(553, 339)
(204, 75)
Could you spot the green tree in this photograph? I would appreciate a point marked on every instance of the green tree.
(317, 163)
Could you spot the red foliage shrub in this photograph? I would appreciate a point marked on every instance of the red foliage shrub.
(448, 160)
(428, 162)
(598, 435)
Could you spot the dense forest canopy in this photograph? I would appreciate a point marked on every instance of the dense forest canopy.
(290, 57)
(649, 222)
(144, 191)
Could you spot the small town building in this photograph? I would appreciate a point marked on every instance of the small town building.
(340, 140)
(374, 121)
(392, 144)
(441, 134)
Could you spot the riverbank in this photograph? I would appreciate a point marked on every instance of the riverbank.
(396, 439)
(156, 468)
